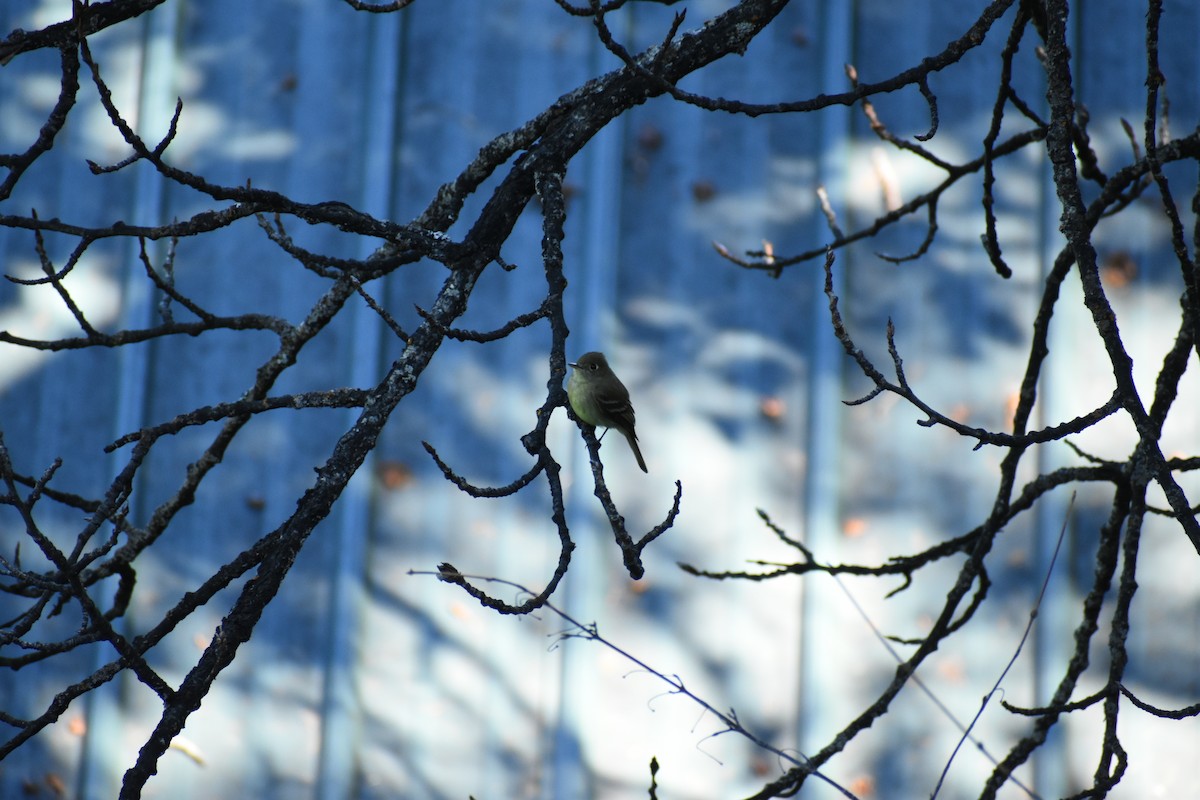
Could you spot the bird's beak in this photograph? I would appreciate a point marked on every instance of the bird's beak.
(572, 364)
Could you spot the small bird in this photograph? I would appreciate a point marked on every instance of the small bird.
(599, 398)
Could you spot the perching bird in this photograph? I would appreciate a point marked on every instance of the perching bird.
(599, 398)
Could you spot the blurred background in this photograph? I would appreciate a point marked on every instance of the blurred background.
(366, 681)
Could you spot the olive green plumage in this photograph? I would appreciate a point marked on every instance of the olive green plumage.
(599, 399)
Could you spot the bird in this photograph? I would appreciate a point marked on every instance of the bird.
(599, 399)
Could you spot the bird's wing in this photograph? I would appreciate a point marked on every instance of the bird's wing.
(619, 409)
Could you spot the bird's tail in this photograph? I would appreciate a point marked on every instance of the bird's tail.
(637, 453)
